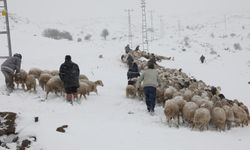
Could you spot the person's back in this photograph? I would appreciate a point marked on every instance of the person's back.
(133, 72)
(9, 67)
(150, 80)
(69, 74)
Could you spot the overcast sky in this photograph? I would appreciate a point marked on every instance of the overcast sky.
(46, 9)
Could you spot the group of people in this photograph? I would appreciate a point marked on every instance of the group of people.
(148, 79)
(69, 73)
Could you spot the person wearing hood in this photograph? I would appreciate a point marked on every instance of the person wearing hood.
(9, 67)
(69, 73)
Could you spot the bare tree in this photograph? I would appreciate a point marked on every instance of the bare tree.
(105, 33)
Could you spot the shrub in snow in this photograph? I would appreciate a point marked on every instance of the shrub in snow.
(79, 39)
(237, 46)
(87, 37)
(212, 35)
(56, 34)
(232, 34)
(105, 33)
(248, 36)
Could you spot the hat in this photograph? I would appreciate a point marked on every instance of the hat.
(18, 55)
(67, 58)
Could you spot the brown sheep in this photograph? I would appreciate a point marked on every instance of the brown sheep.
(54, 84)
(31, 83)
(131, 91)
(171, 111)
(83, 77)
(20, 78)
(188, 112)
(36, 72)
(43, 79)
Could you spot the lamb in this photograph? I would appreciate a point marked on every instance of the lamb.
(31, 83)
(168, 93)
(131, 91)
(188, 112)
(43, 79)
(20, 78)
(202, 117)
(218, 118)
(36, 72)
(83, 89)
(54, 84)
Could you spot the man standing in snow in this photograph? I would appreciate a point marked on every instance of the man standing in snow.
(150, 80)
(69, 73)
(202, 59)
(9, 67)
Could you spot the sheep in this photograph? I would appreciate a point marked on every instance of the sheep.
(202, 117)
(168, 93)
(93, 85)
(218, 118)
(43, 79)
(171, 111)
(188, 112)
(36, 72)
(83, 77)
(54, 84)
(31, 82)
(54, 72)
(83, 89)
(240, 116)
(130, 91)
(229, 116)
(20, 78)
(187, 95)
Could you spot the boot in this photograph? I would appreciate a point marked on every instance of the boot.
(69, 98)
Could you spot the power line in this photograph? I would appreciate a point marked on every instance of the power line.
(144, 26)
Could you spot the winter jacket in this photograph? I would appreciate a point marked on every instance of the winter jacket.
(130, 60)
(69, 73)
(12, 65)
(133, 71)
(148, 78)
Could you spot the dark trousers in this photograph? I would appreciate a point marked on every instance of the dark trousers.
(150, 96)
(8, 79)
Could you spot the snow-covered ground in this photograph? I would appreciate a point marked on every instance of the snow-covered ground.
(109, 120)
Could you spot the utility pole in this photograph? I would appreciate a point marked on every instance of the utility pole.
(162, 31)
(144, 26)
(130, 35)
(152, 27)
(225, 21)
(5, 13)
(179, 28)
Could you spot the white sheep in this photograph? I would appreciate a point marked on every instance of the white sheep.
(202, 117)
(54, 84)
(218, 118)
(229, 116)
(240, 116)
(83, 89)
(83, 77)
(93, 85)
(188, 112)
(171, 111)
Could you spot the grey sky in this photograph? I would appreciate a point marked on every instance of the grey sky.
(46, 9)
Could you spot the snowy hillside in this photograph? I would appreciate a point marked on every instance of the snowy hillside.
(109, 120)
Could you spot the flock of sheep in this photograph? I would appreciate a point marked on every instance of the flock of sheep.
(191, 102)
(50, 81)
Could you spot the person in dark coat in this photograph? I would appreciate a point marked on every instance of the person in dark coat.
(130, 60)
(127, 49)
(202, 59)
(137, 48)
(133, 72)
(9, 67)
(69, 73)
